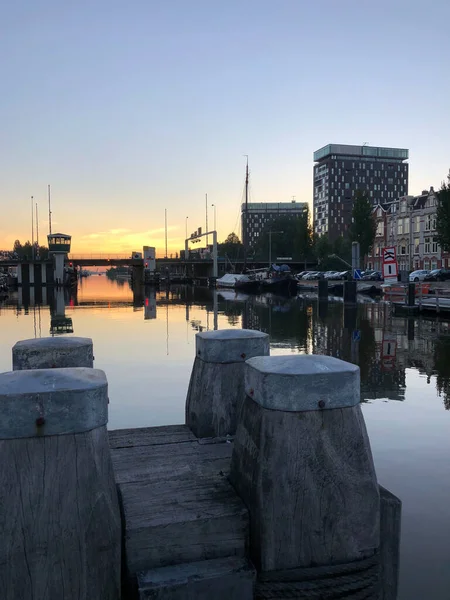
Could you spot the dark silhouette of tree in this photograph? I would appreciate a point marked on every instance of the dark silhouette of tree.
(295, 241)
(25, 251)
(443, 215)
(231, 247)
(363, 227)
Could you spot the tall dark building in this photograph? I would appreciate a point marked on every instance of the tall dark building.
(261, 213)
(340, 170)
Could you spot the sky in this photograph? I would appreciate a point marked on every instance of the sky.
(131, 108)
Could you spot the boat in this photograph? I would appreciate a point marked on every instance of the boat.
(239, 282)
(279, 281)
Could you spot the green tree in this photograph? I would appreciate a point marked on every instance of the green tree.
(295, 241)
(443, 215)
(231, 247)
(363, 227)
(27, 251)
(322, 250)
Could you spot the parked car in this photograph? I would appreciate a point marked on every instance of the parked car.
(344, 275)
(313, 275)
(330, 275)
(418, 275)
(301, 274)
(438, 275)
(372, 276)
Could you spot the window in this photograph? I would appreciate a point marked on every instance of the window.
(347, 186)
(417, 224)
(416, 245)
(426, 264)
(428, 223)
(380, 228)
(434, 264)
(427, 245)
(435, 246)
(400, 227)
(406, 226)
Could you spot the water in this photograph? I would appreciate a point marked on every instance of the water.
(146, 346)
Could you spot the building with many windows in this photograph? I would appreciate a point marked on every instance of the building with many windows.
(261, 213)
(340, 170)
(409, 224)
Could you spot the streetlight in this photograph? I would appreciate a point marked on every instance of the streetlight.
(270, 245)
(214, 206)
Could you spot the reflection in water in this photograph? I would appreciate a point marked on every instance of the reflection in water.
(382, 344)
(145, 340)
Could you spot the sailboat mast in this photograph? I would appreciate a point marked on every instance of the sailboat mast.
(245, 231)
(49, 212)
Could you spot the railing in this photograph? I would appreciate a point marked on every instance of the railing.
(100, 256)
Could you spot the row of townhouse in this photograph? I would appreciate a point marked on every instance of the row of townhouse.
(409, 224)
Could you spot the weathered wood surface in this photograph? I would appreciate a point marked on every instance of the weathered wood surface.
(178, 505)
(53, 352)
(217, 579)
(309, 483)
(214, 393)
(59, 518)
(150, 436)
(390, 531)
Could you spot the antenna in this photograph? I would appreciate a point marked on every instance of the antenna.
(49, 213)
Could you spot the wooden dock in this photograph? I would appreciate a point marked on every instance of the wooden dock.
(178, 505)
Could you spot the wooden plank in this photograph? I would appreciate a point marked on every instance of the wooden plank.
(219, 579)
(178, 505)
(150, 436)
(182, 520)
(166, 462)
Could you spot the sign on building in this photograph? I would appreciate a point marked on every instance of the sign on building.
(390, 265)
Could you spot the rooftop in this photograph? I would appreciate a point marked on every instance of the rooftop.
(369, 151)
(275, 206)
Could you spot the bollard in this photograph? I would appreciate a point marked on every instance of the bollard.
(60, 518)
(302, 464)
(52, 352)
(216, 387)
(323, 289)
(350, 291)
(411, 294)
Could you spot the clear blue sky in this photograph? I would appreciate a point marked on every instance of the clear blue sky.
(128, 108)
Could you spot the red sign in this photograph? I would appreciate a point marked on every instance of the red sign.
(390, 266)
(389, 255)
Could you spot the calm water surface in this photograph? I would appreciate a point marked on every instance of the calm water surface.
(146, 343)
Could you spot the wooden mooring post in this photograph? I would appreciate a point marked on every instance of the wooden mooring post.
(52, 352)
(216, 387)
(59, 518)
(303, 466)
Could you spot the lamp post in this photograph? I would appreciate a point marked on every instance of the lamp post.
(270, 245)
(214, 206)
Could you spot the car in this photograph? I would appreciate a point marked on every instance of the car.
(372, 276)
(438, 275)
(344, 275)
(419, 275)
(330, 275)
(301, 274)
(313, 275)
